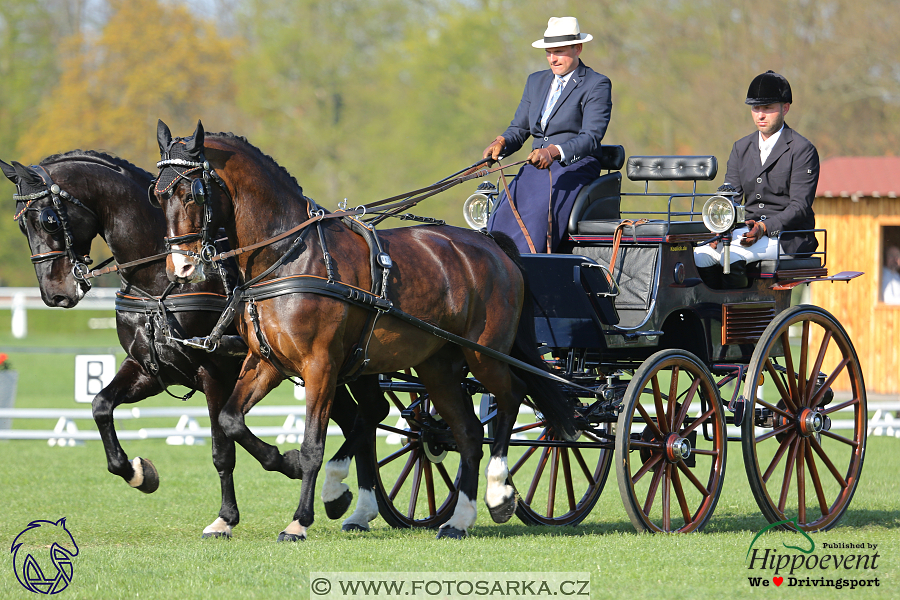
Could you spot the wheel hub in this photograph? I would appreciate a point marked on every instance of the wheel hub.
(810, 422)
(677, 448)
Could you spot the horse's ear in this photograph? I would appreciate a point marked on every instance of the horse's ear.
(28, 175)
(10, 172)
(163, 136)
(194, 146)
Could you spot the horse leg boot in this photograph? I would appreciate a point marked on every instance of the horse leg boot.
(499, 496)
(131, 384)
(335, 493)
(373, 408)
(441, 375)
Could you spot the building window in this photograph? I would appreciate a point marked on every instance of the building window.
(890, 265)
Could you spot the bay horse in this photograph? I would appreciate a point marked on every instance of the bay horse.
(103, 195)
(460, 281)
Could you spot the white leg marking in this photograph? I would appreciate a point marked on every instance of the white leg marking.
(464, 515)
(295, 528)
(366, 510)
(218, 526)
(138, 478)
(335, 472)
(497, 492)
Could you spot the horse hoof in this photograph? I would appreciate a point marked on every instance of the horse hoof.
(503, 512)
(337, 507)
(353, 527)
(451, 533)
(290, 537)
(292, 466)
(216, 535)
(151, 477)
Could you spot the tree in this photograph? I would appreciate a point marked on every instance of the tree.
(150, 60)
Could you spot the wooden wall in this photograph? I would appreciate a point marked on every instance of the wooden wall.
(854, 244)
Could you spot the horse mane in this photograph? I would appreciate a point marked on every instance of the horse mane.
(102, 158)
(265, 157)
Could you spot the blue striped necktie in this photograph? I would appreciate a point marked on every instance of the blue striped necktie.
(557, 88)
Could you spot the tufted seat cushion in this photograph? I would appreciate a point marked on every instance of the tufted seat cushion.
(672, 168)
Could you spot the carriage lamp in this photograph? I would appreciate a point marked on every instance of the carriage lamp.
(477, 207)
(719, 214)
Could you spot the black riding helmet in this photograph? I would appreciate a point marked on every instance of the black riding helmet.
(768, 88)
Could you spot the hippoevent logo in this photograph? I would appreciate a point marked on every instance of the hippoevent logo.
(42, 556)
(837, 565)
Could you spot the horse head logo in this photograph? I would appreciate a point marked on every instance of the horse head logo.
(41, 544)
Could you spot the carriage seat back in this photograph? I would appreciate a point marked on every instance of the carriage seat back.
(672, 168)
(601, 198)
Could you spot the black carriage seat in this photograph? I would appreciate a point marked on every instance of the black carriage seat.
(572, 305)
(655, 168)
(786, 267)
(601, 198)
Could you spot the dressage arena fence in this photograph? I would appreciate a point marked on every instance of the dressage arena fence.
(187, 431)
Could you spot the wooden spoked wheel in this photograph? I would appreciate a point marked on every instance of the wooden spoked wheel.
(799, 467)
(417, 481)
(557, 483)
(671, 444)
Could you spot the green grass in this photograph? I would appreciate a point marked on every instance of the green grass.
(148, 546)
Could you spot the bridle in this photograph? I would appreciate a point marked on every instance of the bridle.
(54, 220)
(199, 195)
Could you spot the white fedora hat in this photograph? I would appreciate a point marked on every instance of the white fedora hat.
(562, 31)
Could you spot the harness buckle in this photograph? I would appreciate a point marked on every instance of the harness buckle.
(208, 253)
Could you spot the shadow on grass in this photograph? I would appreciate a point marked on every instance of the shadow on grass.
(718, 524)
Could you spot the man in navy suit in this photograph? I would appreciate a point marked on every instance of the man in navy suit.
(776, 170)
(566, 110)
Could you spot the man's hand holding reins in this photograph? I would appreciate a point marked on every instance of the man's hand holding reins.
(495, 148)
(755, 230)
(542, 158)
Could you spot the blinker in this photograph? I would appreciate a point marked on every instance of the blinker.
(198, 192)
(50, 220)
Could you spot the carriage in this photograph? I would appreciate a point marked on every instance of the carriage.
(677, 369)
(656, 370)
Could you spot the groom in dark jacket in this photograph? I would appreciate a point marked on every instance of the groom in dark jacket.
(565, 110)
(776, 170)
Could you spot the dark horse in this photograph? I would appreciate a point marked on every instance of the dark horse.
(457, 280)
(85, 194)
(107, 196)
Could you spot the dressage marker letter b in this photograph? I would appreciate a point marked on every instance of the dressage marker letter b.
(93, 372)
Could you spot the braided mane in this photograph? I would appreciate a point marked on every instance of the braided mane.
(268, 159)
(103, 158)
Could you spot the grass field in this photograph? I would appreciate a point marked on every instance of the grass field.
(133, 545)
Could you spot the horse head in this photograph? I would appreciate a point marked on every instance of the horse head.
(188, 190)
(59, 230)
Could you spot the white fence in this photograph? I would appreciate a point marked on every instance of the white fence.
(22, 299)
(188, 431)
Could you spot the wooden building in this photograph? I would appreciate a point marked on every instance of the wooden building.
(857, 203)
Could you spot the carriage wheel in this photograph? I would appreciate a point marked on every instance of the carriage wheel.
(417, 481)
(797, 467)
(670, 444)
(557, 484)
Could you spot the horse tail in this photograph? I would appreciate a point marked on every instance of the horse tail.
(547, 395)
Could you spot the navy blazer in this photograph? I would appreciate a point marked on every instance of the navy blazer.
(780, 192)
(578, 121)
